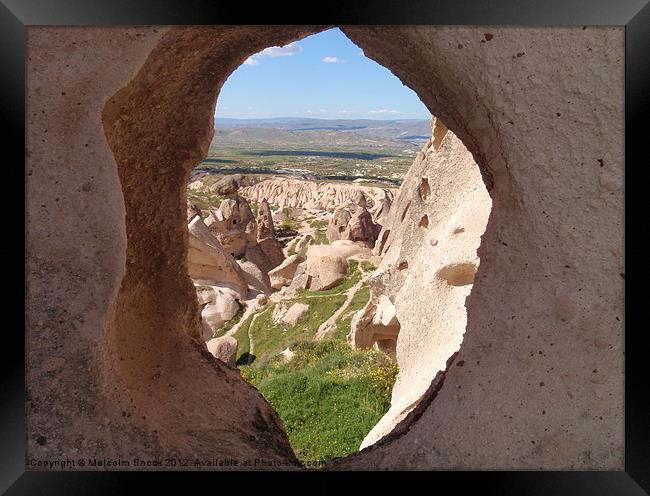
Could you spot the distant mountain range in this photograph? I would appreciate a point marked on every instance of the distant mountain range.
(417, 130)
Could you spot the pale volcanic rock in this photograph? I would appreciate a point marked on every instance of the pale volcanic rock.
(227, 185)
(295, 312)
(209, 263)
(256, 278)
(361, 227)
(265, 226)
(266, 239)
(376, 324)
(418, 283)
(224, 348)
(283, 274)
(338, 224)
(285, 192)
(342, 248)
(325, 271)
(219, 311)
(235, 225)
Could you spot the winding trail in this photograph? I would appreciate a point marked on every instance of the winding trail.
(330, 323)
(251, 307)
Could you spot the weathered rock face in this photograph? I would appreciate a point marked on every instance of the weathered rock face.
(376, 324)
(266, 236)
(338, 224)
(283, 274)
(286, 192)
(418, 281)
(361, 227)
(342, 247)
(325, 271)
(219, 310)
(224, 348)
(256, 278)
(355, 223)
(234, 224)
(111, 215)
(295, 312)
(209, 263)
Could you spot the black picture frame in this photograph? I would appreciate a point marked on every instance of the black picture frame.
(17, 15)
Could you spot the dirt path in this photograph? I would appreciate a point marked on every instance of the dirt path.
(251, 306)
(330, 323)
(251, 344)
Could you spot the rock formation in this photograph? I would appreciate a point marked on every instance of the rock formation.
(224, 348)
(283, 274)
(209, 263)
(221, 306)
(376, 324)
(295, 312)
(412, 268)
(325, 271)
(285, 192)
(338, 224)
(233, 223)
(266, 239)
(355, 223)
(256, 278)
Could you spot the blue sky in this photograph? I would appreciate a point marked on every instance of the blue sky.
(322, 76)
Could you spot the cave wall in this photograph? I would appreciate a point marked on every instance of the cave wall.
(428, 265)
(118, 116)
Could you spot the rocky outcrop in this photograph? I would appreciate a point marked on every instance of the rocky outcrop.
(355, 223)
(285, 192)
(256, 278)
(338, 224)
(295, 312)
(284, 273)
(375, 325)
(361, 227)
(223, 307)
(209, 263)
(233, 223)
(325, 271)
(224, 348)
(266, 239)
(342, 248)
(418, 281)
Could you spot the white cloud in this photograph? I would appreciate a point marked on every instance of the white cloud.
(283, 51)
(344, 111)
(250, 61)
(384, 111)
(319, 111)
(332, 60)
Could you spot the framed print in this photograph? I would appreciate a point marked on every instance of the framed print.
(377, 239)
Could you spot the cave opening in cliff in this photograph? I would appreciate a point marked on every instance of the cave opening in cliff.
(291, 226)
(313, 245)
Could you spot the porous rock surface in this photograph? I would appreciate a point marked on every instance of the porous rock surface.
(541, 111)
(419, 282)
